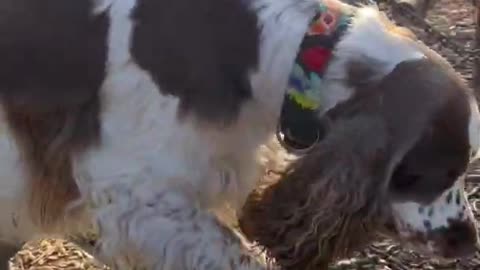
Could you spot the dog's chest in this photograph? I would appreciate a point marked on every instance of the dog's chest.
(144, 142)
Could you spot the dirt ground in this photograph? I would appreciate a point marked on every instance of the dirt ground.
(453, 17)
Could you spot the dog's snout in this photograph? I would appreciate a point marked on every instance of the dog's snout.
(459, 239)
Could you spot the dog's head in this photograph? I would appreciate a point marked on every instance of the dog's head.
(433, 129)
(430, 210)
(433, 126)
(393, 160)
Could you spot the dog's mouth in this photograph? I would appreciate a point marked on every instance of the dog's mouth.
(436, 245)
(415, 243)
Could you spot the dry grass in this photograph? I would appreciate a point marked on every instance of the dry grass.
(53, 254)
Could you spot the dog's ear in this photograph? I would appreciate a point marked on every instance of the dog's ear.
(426, 109)
(329, 202)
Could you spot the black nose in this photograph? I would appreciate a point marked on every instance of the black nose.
(458, 240)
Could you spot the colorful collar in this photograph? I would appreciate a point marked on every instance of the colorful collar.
(299, 124)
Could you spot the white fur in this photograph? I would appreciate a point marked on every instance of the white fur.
(15, 225)
(369, 38)
(156, 186)
(283, 25)
(150, 164)
(154, 179)
(410, 216)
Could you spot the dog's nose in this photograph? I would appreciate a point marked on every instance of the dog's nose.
(458, 240)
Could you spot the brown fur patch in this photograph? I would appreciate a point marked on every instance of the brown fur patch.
(47, 141)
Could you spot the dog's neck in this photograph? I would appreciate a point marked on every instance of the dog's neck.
(283, 24)
(370, 42)
(299, 125)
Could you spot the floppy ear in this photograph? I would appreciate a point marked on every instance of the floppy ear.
(329, 202)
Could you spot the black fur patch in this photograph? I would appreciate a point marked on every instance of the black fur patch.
(53, 53)
(199, 51)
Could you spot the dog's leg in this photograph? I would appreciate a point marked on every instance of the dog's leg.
(167, 232)
(7, 251)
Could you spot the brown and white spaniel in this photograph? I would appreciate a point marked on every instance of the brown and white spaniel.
(144, 119)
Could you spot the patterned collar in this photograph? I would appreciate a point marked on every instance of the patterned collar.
(299, 124)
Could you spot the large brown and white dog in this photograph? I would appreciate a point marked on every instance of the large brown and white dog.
(146, 116)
